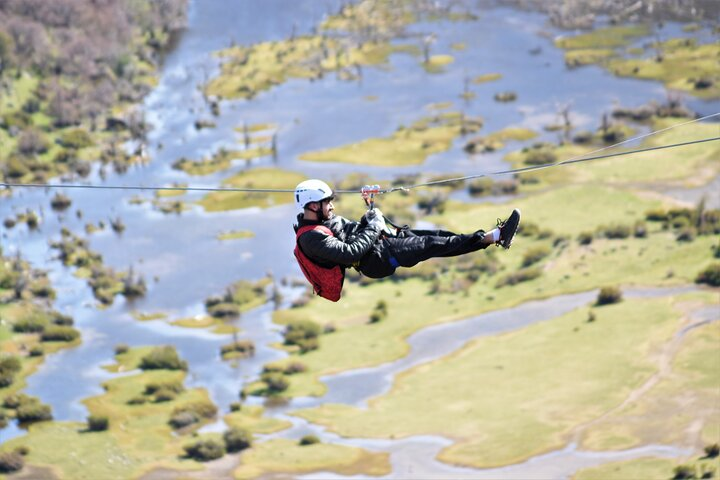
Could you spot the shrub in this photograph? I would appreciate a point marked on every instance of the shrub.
(174, 386)
(614, 232)
(656, 215)
(237, 439)
(235, 406)
(37, 351)
(192, 413)
(687, 234)
(60, 319)
(59, 333)
(60, 202)
(11, 462)
(294, 367)
(33, 412)
(205, 450)
(245, 348)
(275, 382)
(10, 363)
(163, 358)
(522, 275)
(121, 348)
(224, 310)
(6, 379)
(540, 156)
(76, 138)
(609, 295)
(15, 400)
(302, 333)
(31, 324)
(585, 238)
(3, 420)
(98, 423)
(165, 395)
(710, 276)
(139, 400)
(640, 230)
(22, 450)
(534, 255)
(683, 472)
(309, 440)
(712, 451)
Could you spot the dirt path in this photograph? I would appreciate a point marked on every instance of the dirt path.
(664, 362)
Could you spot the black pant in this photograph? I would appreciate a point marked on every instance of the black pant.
(413, 246)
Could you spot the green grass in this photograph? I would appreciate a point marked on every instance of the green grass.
(655, 416)
(256, 178)
(608, 37)
(645, 468)
(565, 210)
(407, 146)
(513, 396)
(680, 68)
(251, 418)
(139, 437)
(487, 77)
(286, 456)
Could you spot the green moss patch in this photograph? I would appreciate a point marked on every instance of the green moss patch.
(592, 368)
(407, 146)
(256, 178)
(608, 37)
(251, 418)
(286, 456)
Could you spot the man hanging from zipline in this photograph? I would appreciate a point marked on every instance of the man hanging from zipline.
(327, 244)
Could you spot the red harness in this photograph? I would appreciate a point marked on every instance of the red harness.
(326, 282)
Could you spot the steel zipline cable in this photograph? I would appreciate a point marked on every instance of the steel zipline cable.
(576, 159)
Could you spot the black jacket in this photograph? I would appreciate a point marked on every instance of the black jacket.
(354, 243)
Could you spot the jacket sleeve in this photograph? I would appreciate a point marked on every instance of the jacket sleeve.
(327, 249)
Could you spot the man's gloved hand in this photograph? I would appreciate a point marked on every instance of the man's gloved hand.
(375, 218)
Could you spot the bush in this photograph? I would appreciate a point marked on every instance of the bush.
(22, 450)
(76, 139)
(294, 367)
(585, 238)
(165, 395)
(712, 451)
(656, 215)
(163, 358)
(205, 450)
(276, 382)
(534, 255)
(60, 202)
(710, 276)
(6, 379)
(224, 310)
(174, 386)
(302, 333)
(15, 400)
(60, 319)
(11, 462)
(640, 230)
(37, 351)
(33, 412)
(522, 275)
(687, 234)
(540, 156)
(10, 363)
(235, 406)
(192, 413)
(139, 400)
(59, 333)
(309, 440)
(609, 295)
(615, 232)
(121, 348)
(245, 348)
(237, 439)
(98, 423)
(31, 324)
(683, 472)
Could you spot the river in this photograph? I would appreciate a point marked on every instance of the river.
(180, 255)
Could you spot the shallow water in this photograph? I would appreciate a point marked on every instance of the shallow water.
(180, 256)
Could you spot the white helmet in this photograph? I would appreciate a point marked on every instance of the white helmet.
(311, 191)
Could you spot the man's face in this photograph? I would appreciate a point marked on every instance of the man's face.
(327, 208)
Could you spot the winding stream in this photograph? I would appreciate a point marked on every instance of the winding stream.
(184, 263)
